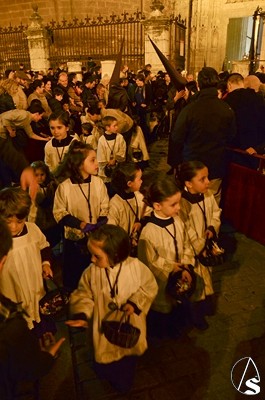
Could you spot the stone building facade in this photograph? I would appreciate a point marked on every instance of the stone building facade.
(207, 21)
(19, 10)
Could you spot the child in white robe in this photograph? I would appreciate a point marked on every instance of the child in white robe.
(111, 148)
(126, 208)
(113, 282)
(81, 201)
(57, 147)
(201, 215)
(28, 262)
(164, 248)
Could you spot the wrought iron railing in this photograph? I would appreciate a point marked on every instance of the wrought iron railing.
(13, 47)
(99, 38)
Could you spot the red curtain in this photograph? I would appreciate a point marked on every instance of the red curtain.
(244, 204)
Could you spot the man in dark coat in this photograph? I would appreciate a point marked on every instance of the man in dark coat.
(21, 359)
(118, 96)
(249, 108)
(204, 128)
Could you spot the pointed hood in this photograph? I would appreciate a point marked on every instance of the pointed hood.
(177, 79)
(115, 77)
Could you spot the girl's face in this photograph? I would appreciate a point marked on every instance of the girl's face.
(168, 207)
(15, 225)
(89, 165)
(99, 257)
(199, 183)
(48, 86)
(40, 175)
(58, 129)
(136, 183)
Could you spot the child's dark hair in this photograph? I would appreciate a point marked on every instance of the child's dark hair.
(14, 202)
(188, 170)
(57, 92)
(108, 120)
(161, 189)
(115, 242)
(62, 116)
(124, 173)
(72, 161)
(35, 108)
(41, 165)
(87, 126)
(5, 239)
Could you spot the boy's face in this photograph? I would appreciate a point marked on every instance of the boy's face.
(36, 117)
(112, 128)
(94, 117)
(15, 225)
(40, 176)
(59, 97)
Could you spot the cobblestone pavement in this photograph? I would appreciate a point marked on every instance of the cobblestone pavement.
(198, 365)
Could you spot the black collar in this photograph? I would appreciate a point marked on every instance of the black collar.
(192, 198)
(161, 222)
(80, 180)
(61, 143)
(112, 136)
(126, 196)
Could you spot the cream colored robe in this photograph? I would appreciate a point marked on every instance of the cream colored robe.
(104, 152)
(193, 218)
(70, 200)
(21, 278)
(120, 213)
(156, 249)
(53, 156)
(135, 283)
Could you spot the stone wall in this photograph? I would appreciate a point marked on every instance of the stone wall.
(208, 33)
(18, 11)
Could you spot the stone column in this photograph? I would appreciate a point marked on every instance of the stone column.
(157, 27)
(38, 42)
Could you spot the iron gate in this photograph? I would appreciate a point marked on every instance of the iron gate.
(13, 47)
(99, 38)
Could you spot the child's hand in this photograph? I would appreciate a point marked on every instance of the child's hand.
(208, 234)
(136, 227)
(128, 308)
(48, 343)
(46, 270)
(112, 162)
(77, 323)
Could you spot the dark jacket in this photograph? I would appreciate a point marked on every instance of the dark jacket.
(21, 359)
(249, 108)
(203, 130)
(118, 98)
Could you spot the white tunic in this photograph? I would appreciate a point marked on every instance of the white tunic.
(53, 156)
(105, 148)
(69, 199)
(21, 278)
(121, 214)
(135, 283)
(193, 218)
(157, 250)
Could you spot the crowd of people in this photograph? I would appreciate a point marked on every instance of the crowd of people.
(125, 234)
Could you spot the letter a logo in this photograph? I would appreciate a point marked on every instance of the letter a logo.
(245, 376)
